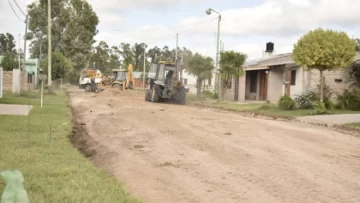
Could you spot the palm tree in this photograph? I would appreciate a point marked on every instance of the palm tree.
(352, 75)
(231, 66)
(201, 67)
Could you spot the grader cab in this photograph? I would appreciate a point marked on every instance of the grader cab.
(165, 84)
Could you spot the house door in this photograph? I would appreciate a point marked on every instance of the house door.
(236, 93)
(263, 85)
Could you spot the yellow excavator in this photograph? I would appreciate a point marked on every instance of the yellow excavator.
(94, 81)
(121, 79)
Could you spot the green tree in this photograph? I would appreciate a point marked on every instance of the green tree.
(231, 66)
(9, 61)
(154, 54)
(357, 45)
(324, 50)
(201, 67)
(138, 54)
(7, 44)
(100, 57)
(126, 54)
(73, 28)
(114, 61)
(61, 67)
(8, 51)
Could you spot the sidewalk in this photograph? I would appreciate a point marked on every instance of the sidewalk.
(331, 119)
(12, 109)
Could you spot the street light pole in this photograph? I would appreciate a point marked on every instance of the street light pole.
(217, 75)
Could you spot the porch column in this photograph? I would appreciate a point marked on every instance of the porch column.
(288, 79)
(242, 82)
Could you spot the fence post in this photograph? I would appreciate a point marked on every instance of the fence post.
(1, 82)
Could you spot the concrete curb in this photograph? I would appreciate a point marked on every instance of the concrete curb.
(346, 130)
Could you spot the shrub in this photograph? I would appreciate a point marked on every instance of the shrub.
(350, 100)
(208, 93)
(286, 103)
(319, 108)
(305, 100)
(328, 104)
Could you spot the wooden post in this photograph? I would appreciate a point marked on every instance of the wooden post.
(288, 79)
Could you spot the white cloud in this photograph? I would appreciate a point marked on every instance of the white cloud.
(111, 5)
(284, 17)
(244, 29)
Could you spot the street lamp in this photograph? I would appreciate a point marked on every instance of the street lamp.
(208, 12)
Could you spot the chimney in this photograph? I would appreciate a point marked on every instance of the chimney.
(269, 49)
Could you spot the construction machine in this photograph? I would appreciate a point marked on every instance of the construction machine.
(94, 81)
(121, 79)
(165, 85)
(90, 79)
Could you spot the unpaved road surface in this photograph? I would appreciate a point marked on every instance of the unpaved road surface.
(167, 153)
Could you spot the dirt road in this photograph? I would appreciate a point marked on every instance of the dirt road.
(168, 153)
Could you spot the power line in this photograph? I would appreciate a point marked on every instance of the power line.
(19, 8)
(12, 8)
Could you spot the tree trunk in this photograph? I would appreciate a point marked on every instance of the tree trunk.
(321, 86)
(198, 88)
(223, 86)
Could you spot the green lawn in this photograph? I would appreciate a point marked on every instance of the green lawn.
(352, 125)
(56, 173)
(266, 109)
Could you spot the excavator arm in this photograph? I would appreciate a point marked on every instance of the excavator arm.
(130, 77)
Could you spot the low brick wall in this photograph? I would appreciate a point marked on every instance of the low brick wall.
(8, 79)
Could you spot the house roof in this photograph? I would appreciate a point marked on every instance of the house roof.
(279, 59)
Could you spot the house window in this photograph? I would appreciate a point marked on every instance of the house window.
(185, 81)
(293, 77)
(253, 81)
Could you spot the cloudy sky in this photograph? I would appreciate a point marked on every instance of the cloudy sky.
(246, 25)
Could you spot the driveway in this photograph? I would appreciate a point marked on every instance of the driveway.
(332, 119)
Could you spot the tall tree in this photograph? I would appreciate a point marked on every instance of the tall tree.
(8, 51)
(73, 28)
(231, 66)
(154, 54)
(114, 61)
(126, 54)
(324, 50)
(167, 55)
(138, 53)
(61, 67)
(100, 57)
(201, 67)
(7, 43)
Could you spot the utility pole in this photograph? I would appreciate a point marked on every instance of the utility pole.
(144, 68)
(19, 54)
(23, 66)
(176, 56)
(217, 77)
(49, 43)
(182, 65)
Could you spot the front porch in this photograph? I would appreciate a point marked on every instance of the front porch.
(266, 84)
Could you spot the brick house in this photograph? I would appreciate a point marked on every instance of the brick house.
(267, 79)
